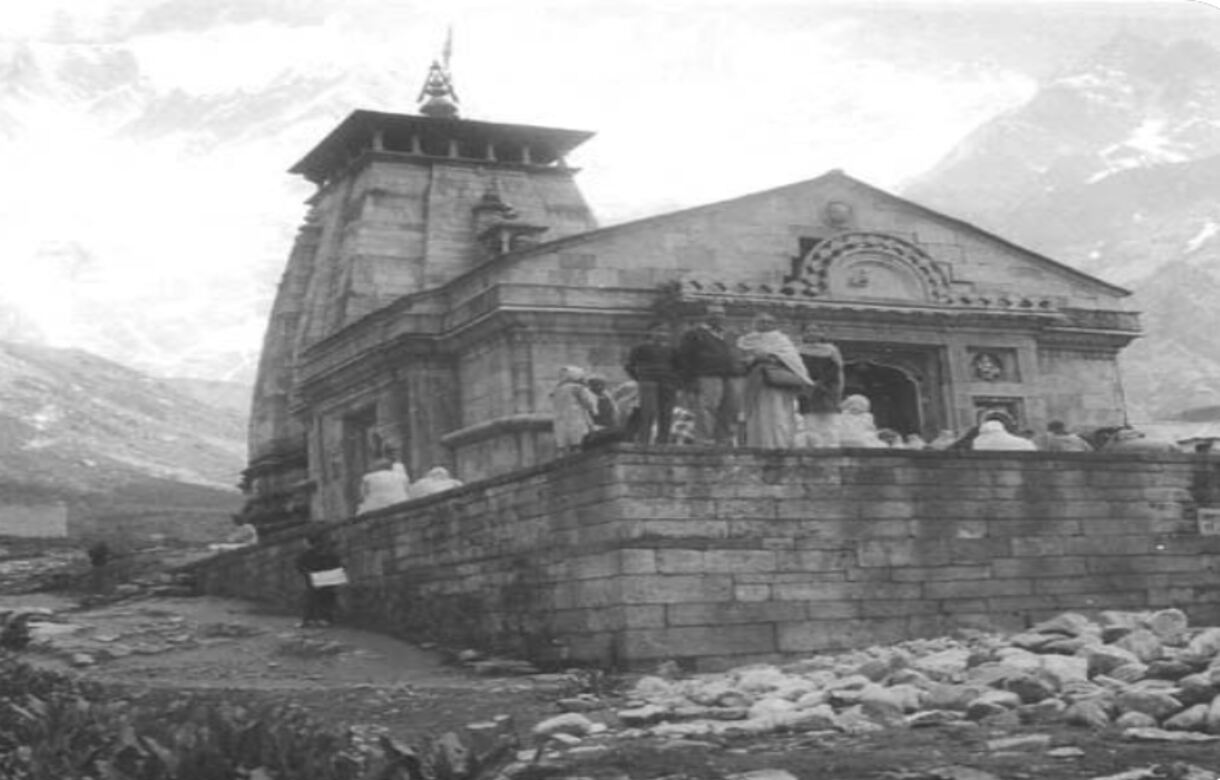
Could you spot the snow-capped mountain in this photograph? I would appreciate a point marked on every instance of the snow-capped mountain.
(1112, 167)
(81, 424)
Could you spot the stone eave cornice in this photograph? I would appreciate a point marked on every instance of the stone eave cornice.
(357, 163)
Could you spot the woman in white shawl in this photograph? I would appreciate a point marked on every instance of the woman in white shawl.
(776, 376)
(574, 406)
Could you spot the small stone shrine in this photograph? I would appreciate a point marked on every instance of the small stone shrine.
(447, 268)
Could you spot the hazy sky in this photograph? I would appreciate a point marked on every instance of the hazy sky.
(173, 238)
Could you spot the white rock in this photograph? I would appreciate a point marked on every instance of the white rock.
(1065, 752)
(1104, 658)
(1069, 623)
(1020, 741)
(1164, 735)
(641, 716)
(1190, 719)
(1135, 720)
(771, 706)
(1064, 669)
(1158, 704)
(1129, 672)
(763, 774)
(1088, 712)
(819, 718)
(943, 665)
(1205, 644)
(760, 679)
(1170, 625)
(1020, 659)
(651, 688)
(1212, 722)
(811, 699)
(683, 730)
(1144, 644)
(568, 723)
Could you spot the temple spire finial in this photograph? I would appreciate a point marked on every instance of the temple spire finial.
(441, 98)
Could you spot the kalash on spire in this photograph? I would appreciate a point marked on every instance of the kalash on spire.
(438, 98)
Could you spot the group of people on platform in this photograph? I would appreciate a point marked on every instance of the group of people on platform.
(763, 389)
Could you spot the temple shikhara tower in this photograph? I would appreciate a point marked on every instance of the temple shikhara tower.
(447, 268)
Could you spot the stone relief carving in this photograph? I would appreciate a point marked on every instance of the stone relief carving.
(872, 265)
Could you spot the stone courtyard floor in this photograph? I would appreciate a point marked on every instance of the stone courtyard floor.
(235, 651)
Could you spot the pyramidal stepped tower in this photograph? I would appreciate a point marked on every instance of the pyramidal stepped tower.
(405, 203)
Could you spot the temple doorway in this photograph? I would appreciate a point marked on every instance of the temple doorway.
(894, 395)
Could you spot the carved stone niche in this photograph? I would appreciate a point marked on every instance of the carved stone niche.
(993, 364)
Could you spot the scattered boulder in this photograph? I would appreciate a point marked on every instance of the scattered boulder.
(569, 723)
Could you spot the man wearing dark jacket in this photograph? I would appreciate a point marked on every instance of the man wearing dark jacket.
(710, 366)
(651, 365)
(320, 601)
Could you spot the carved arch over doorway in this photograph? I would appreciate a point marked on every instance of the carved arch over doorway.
(848, 264)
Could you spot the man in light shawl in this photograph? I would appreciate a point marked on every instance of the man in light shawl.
(993, 436)
(574, 405)
(770, 410)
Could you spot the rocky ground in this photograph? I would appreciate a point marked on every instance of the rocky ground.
(1121, 696)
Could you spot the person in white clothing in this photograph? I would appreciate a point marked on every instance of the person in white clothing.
(993, 436)
(382, 486)
(434, 481)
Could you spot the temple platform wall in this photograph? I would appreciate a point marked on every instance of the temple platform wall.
(629, 556)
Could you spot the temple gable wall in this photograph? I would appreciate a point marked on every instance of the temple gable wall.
(754, 239)
(630, 556)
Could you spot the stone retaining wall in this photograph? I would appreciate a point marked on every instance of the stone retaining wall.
(629, 556)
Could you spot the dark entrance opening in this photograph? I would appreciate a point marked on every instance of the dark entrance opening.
(893, 393)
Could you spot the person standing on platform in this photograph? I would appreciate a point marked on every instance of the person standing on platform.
(775, 378)
(710, 365)
(653, 365)
(819, 407)
(573, 405)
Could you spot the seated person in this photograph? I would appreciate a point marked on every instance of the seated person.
(382, 486)
(1058, 439)
(993, 436)
(435, 481)
(856, 425)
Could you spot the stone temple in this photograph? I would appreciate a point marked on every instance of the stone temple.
(447, 268)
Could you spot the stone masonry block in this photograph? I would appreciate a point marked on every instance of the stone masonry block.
(968, 551)
(1109, 545)
(638, 561)
(643, 616)
(816, 635)
(746, 508)
(1066, 566)
(734, 612)
(745, 561)
(693, 641)
(749, 593)
(952, 589)
(933, 573)
(706, 528)
(813, 560)
(903, 552)
(678, 561)
(675, 588)
(675, 509)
